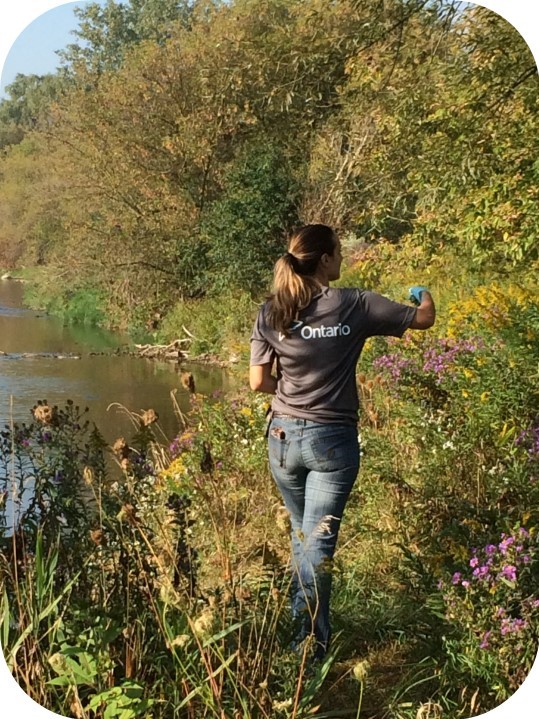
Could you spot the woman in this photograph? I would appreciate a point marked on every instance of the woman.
(314, 334)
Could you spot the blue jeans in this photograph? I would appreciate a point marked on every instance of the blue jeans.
(314, 466)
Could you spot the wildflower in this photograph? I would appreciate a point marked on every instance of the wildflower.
(121, 448)
(45, 414)
(96, 535)
(481, 572)
(484, 396)
(510, 626)
(465, 583)
(203, 625)
(285, 704)
(88, 476)
(129, 513)
(491, 549)
(180, 641)
(394, 365)
(456, 578)
(148, 417)
(474, 561)
(361, 670)
(484, 640)
(504, 545)
(509, 572)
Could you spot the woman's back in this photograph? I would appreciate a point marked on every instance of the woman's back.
(317, 357)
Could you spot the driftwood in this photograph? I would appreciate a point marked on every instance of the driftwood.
(48, 355)
(172, 352)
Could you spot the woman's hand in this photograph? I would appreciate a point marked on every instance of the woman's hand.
(426, 311)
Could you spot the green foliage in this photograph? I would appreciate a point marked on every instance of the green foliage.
(108, 31)
(190, 138)
(219, 326)
(80, 306)
(146, 613)
(27, 105)
(246, 229)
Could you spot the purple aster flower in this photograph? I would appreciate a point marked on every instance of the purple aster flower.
(509, 572)
(484, 640)
(491, 549)
(465, 583)
(456, 578)
(474, 561)
(481, 572)
(504, 545)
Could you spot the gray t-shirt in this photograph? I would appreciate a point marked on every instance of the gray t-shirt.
(316, 363)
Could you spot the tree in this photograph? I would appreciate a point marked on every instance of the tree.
(28, 104)
(107, 32)
(246, 228)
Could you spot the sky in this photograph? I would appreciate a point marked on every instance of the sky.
(33, 51)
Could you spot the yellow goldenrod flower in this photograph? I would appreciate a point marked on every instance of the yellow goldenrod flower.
(484, 396)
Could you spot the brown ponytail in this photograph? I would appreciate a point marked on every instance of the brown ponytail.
(294, 281)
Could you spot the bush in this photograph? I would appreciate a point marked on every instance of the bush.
(246, 229)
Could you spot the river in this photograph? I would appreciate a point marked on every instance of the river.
(94, 380)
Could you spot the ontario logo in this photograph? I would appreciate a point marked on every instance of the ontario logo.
(309, 333)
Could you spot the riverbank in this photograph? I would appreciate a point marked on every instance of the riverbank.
(185, 561)
(208, 331)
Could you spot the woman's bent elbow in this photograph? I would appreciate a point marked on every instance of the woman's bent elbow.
(422, 322)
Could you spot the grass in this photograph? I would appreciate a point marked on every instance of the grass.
(170, 598)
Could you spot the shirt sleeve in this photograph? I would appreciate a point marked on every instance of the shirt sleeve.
(261, 350)
(384, 316)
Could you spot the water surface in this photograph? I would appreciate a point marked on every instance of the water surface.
(94, 380)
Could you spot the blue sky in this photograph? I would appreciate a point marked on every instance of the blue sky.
(33, 51)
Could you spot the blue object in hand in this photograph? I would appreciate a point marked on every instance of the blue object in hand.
(415, 294)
